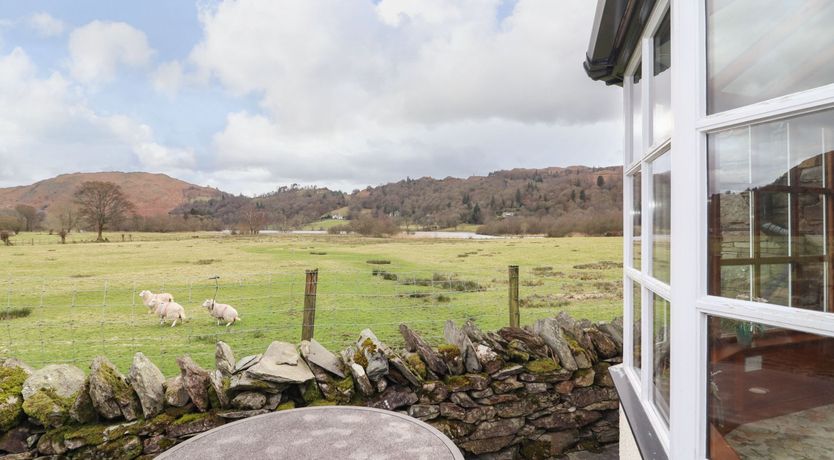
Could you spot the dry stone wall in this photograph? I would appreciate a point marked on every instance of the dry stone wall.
(534, 393)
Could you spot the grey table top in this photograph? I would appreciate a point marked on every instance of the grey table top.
(343, 432)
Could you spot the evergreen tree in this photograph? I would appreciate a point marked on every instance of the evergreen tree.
(600, 181)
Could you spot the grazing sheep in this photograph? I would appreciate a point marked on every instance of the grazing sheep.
(149, 297)
(169, 311)
(221, 311)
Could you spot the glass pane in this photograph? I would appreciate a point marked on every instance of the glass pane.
(771, 392)
(636, 222)
(661, 216)
(770, 190)
(761, 49)
(660, 371)
(637, 113)
(662, 84)
(637, 301)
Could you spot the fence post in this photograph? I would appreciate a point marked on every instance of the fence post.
(515, 316)
(309, 320)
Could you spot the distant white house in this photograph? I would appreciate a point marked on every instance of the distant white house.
(728, 199)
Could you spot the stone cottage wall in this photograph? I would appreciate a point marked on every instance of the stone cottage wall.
(532, 393)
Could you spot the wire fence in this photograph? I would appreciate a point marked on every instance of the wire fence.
(73, 319)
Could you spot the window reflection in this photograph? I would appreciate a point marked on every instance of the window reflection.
(761, 49)
(637, 300)
(770, 213)
(637, 113)
(662, 84)
(661, 216)
(661, 369)
(636, 219)
(771, 392)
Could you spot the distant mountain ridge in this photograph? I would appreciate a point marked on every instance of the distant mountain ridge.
(152, 194)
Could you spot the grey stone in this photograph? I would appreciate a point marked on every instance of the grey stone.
(175, 393)
(249, 400)
(149, 384)
(497, 428)
(535, 388)
(361, 379)
(584, 377)
(459, 338)
(315, 353)
(374, 352)
(281, 364)
(507, 385)
(531, 341)
(414, 342)
(435, 392)
(613, 333)
(14, 440)
(224, 358)
(240, 414)
(243, 382)
(195, 379)
(482, 393)
(381, 385)
(393, 398)
(467, 382)
(463, 400)
(497, 399)
(550, 332)
(506, 372)
(424, 411)
(112, 396)
(482, 446)
(605, 347)
(488, 358)
(216, 380)
(63, 379)
(245, 363)
(397, 363)
(82, 410)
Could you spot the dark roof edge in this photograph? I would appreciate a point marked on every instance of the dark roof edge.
(618, 25)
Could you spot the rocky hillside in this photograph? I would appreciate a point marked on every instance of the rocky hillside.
(152, 194)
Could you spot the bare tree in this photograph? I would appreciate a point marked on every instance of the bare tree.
(101, 204)
(253, 219)
(64, 219)
(30, 216)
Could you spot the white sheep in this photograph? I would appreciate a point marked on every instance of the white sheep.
(169, 311)
(149, 298)
(221, 311)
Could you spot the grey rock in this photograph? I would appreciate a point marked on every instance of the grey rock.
(507, 372)
(216, 381)
(497, 428)
(245, 363)
(535, 388)
(482, 446)
(14, 440)
(464, 343)
(482, 393)
(224, 358)
(175, 393)
(249, 400)
(241, 414)
(613, 333)
(374, 351)
(243, 382)
(82, 410)
(531, 341)
(463, 400)
(550, 332)
(488, 358)
(381, 385)
(414, 342)
(497, 399)
(315, 353)
(361, 379)
(63, 379)
(281, 364)
(393, 398)
(149, 384)
(434, 392)
(424, 411)
(112, 396)
(507, 385)
(603, 344)
(195, 379)
(397, 363)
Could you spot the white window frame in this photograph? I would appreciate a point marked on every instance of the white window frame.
(642, 163)
(691, 304)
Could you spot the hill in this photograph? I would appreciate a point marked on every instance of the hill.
(152, 194)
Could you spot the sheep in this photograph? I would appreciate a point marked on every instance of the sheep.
(149, 297)
(169, 311)
(221, 311)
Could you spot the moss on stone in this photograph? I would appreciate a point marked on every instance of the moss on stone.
(121, 390)
(11, 382)
(541, 366)
(214, 401)
(416, 364)
(360, 359)
(536, 450)
(448, 351)
(188, 418)
(89, 435)
(47, 407)
(456, 382)
(127, 447)
(322, 402)
(286, 406)
(311, 392)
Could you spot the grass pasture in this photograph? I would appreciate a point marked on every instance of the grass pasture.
(83, 297)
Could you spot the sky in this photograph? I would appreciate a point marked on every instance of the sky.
(249, 95)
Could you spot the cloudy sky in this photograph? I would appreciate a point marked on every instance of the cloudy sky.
(248, 95)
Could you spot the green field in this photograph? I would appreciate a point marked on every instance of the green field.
(83, 296)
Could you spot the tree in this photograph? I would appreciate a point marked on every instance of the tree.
(582, 195)
(101, 204)
(254, 219)
(30, 216)
(64, 220)
(475, 216)
(600, 181)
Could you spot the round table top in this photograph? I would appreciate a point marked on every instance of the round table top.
(321, 433)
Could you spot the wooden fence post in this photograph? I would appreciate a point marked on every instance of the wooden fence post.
(515, 316)
(309, 324)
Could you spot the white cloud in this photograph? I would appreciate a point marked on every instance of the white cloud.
(99, 48)
(168, 77)
(46, 25)
(46, 129)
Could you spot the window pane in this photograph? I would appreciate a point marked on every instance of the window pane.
(636, 222)
(661, 216)
(761, 49)
(660, 371)
(771, 392)
(662, 84)
(637, 113)
(770, 190)
(636, 302)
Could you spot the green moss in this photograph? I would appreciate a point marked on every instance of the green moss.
(121, 390)
(536, 450)
(322, 402)
(517, 352)
(455, 382)
(188, 418)
(416, 364)
(11, 382)
(541, 366)
(448, 352)
(286, 406)
(311, 392)
(214, 401)
(369, 345)
(91, 435)
(47, 407)
(574, 346)
(225, 383)
(360, 359)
